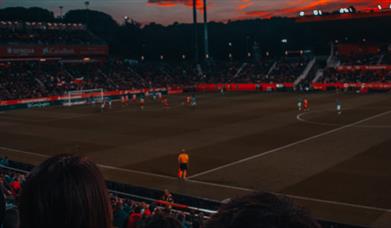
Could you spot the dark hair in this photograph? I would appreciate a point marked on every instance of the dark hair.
(261, 210)
(162, 221)
(2, 206)
(65, 191)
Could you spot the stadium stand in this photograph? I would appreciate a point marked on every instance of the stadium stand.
(359, 63)
(13, 32)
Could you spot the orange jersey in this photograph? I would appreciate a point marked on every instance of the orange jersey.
(183, 158)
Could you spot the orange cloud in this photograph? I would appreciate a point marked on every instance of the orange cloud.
(171, 3)
(245, 4)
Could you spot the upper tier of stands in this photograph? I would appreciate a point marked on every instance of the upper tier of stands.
(40, 33)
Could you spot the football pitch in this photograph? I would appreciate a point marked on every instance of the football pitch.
(338, 166)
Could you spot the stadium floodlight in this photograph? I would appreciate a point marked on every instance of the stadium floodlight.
(302, 14)
(317, 12)
(345, 10)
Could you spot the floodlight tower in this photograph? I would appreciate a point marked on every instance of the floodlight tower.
(206, 38)
(196, 53)
(87, 4)
(61, 8)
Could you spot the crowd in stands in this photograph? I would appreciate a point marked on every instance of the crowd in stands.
(332, 75)
(352, 60)
(39, 33)
(288, 69)
(41, 79)
(69, 191)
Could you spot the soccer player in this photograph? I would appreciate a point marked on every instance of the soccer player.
(299, 105)
(222, 90)
(339, 107)
(142, 102)
(187, 100)
(306, 104)
(159, 96)
(193, 101)
(183, 164)
(110, 102)
(165, 103)
(134, 98)
(102, 106)
(124, 100)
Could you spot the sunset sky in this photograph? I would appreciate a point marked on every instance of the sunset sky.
(169, 11)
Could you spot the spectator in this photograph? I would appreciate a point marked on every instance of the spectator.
(2, 208)
(135, 218)
(261, 210)
(167, 196)
(65, 191)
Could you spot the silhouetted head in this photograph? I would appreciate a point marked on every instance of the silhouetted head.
(261, 210)
(65, 191)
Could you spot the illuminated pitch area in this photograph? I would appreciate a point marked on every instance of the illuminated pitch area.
(336, 165)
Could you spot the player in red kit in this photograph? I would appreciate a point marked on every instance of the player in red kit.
(142, 102)
(188, 100)
(306, 104)
(134, 98)
(165, 103)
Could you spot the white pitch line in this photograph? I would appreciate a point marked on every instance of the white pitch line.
(24, 152)
(294, 196)
(137, 172)
(300, 118)
(99, 165)
(215, 184)
(262, 154)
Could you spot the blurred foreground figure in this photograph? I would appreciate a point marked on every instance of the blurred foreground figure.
(65, 191)
(261, 210)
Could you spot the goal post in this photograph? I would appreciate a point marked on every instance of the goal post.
(81, 97)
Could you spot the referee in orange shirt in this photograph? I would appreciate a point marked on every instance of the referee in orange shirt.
(183, 164)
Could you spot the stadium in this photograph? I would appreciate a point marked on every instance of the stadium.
(108, 123)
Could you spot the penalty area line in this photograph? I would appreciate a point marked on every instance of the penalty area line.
(265, 153)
